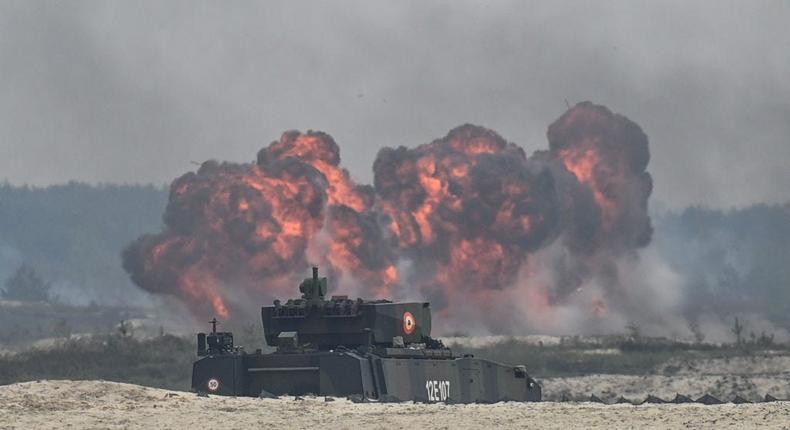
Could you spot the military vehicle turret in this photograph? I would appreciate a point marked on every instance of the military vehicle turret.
(374, 350)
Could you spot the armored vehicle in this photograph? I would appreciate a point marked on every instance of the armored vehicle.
(373, 350)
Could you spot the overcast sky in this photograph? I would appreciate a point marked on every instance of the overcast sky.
(134, 91)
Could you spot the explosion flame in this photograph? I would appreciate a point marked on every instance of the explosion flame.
(458, 220)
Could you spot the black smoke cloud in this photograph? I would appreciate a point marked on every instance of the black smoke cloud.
(461, 220)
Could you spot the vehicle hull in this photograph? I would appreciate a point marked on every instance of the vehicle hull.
(370, 376)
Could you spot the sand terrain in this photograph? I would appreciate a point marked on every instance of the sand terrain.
(750, 377)
(99, 404)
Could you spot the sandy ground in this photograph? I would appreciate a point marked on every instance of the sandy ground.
(99, 404)
(610, 387)
(750, 377)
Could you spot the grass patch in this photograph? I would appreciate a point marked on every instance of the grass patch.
(166, 361)
(163, 362)
(630, 357)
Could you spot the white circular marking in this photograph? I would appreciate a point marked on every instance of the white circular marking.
(213, 384)
(409, 323)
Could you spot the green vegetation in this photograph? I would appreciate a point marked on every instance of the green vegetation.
(732, 261)
(26, 286)
(73, 235)
(164, 361)
(624, 355)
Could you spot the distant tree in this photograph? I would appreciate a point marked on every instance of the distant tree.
(737, 330)
(766, 339)
(26, 285)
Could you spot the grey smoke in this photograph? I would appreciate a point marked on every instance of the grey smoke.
(135, 91)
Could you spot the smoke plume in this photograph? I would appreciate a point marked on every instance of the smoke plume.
(468, 221)
(240, 231)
